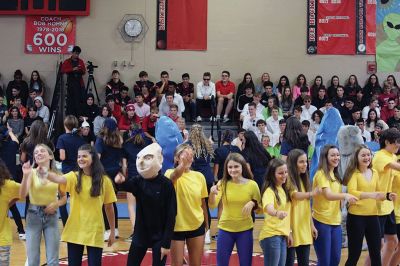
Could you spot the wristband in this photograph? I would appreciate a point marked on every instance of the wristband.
(388, 196)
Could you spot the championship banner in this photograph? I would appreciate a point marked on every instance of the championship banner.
(49, 34)
(366, 26)
(331, 26)
(387, 36)
(181, 25)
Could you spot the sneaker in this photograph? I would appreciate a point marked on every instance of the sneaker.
(207, 239)
(107, 235)
(22, 236)
(226, 119)
(212, 119)
(129, 239)
(198, 119)
(218, 117)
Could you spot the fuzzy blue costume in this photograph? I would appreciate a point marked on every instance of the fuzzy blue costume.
(169, 137)
(326, 134)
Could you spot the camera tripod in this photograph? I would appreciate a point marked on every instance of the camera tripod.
(92, 84)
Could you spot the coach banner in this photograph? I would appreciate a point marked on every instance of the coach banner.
(181, 25)
(387, 36)
(341, 26)
(49, 34)
(366, 26)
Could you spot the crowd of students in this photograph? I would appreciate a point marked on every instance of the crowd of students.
(263, 170)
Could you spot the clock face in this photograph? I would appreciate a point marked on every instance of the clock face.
(133, 27)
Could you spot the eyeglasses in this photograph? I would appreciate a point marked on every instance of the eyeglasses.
(308, 101)
(206, 79)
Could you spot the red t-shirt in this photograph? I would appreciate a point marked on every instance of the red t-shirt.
(225, 89)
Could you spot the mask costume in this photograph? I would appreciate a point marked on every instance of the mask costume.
(169, 137)
(155, 206)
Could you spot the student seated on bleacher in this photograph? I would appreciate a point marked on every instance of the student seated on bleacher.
(205, 95)
(225, 93)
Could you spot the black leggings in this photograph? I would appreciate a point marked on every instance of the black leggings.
(111, 175)
(75, 253)
(303, 255)
(357, 226)
(136, 255)
(17, 219)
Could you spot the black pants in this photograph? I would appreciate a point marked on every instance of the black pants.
(357, 226)
(75, 253)
(63, 213)
(17, 219)
(136, 255)
(303, 255)
(106, 224)
(202, 104)
(111, 175)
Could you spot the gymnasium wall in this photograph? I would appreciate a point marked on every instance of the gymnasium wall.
(243, 36)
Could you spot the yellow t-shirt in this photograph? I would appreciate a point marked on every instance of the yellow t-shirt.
(8, 192)
(42, 194)
(357, 185)
(396, 189)
(380, 163)
(326, 211)
(273, 226)
(190, 189)
(300, 221)
(85, 225)
(237, 195)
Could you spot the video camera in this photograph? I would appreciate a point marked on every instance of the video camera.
(91, 67)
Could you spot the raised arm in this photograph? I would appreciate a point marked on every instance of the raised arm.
(26, 180)
(59, 179)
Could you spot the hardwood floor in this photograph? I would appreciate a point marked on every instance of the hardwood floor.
(18, 253)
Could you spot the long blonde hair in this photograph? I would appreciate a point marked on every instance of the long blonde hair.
(202, 146)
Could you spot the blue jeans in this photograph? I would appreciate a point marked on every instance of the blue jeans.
(328, 244)
(5, 255)
(244, 244)
(274, 249)
(37, 221)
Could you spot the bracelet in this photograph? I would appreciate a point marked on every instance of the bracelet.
(388, 196)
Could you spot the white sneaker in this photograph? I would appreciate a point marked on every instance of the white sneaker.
(22, 236)
(218, 117)
(107, 235)
(198, 119)
(226, 119)
(116, 233)
(207, 238)
(212, 119)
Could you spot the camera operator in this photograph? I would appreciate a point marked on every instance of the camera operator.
(75, 68)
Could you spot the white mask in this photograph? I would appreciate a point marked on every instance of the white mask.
(149, 161)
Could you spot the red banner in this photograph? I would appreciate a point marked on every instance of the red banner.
(336, 27)
(49, 34)
(181, 24)
(341, 26)
(370, 18)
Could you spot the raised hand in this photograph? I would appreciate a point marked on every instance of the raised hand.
(214, 189)
(27, 168)
(119, 178)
